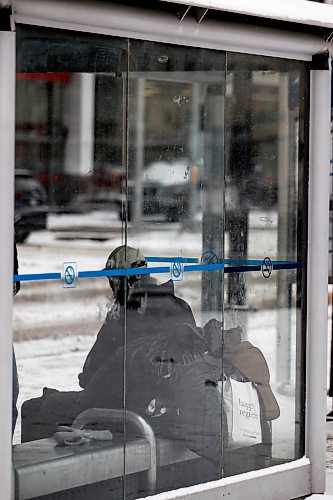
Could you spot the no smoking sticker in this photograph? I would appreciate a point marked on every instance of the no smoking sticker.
(266, 267)
(69, 275)
(209, 258)
(177, 271)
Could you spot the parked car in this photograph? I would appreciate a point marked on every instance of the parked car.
(97, 200)
(166, 189)
(108, 176)
(30, 205)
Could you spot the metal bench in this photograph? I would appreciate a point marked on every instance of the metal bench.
(41, 467)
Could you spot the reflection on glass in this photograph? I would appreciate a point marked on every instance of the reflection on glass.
(176, 118)
(70, 150)
(177, 184)
(264, 198)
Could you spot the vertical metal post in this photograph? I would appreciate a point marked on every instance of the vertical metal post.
(240, 170)
(140, 149)
(79, 118)
(316, 373)
(7, 143)
(195, 147)
(283, 347)
(330, 277)
(212, 218)
(49, 145)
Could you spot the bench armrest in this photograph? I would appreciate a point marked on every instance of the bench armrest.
(106, 415)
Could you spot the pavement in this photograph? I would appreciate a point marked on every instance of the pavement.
(329, 459)
(320, 497)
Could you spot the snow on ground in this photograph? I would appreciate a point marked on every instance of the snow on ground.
(49, 362)
(98, 219)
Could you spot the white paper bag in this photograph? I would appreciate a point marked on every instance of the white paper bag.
(241, 405)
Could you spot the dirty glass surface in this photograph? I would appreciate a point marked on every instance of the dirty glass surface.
(160, 229)
(175, 191)
(265, 253)
(69, 212)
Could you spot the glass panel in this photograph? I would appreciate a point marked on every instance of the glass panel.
(265, 248)
(174, 315)
(71, 115)
(190, 173)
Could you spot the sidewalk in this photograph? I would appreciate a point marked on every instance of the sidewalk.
(329, 458)
(329, 466)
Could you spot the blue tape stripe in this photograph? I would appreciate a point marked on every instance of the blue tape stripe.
(37, 277)
(255, 262)
(290, 265)
(204, 267)
(276, 266)
(240, 262)
(240, 267)
(172, 259)
(124, 272)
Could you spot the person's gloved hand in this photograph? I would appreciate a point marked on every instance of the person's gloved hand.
(68, 436)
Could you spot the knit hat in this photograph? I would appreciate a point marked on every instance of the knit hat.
(124, 257)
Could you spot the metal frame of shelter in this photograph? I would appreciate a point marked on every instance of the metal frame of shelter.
(300, 30)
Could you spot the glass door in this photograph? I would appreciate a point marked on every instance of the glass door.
(216, 194)
(265, 247)
(69, 217)
(174, 314)
(160, 230)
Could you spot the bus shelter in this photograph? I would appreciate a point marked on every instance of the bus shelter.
(165, 175)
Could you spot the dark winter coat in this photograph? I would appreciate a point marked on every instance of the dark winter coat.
(170, 380)
(151, 309)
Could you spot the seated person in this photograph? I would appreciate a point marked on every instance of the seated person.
(149, 309)
(172, 366)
